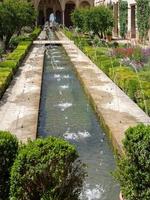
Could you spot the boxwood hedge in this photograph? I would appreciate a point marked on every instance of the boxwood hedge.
(133, 168)
(47, 169)
(13, 60)
(8, 152)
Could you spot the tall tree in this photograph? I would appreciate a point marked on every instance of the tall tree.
(13, 16)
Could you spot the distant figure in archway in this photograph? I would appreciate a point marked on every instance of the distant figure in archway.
(52, 20)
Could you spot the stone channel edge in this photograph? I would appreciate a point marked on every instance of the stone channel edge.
(115, 110)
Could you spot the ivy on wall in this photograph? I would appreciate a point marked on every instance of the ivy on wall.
(123, 17)
(143, 17)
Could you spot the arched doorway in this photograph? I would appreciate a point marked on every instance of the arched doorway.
(48, 12)
(41, 18)
(69, 8)
(58, 15)
(84, 4)
(47, 7)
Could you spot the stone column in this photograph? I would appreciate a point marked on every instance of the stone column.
(63, 17)
(118, 21)
(77, 4)
(129, 20)
(62, 3)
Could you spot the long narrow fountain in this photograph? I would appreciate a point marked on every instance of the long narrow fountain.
(65, 111)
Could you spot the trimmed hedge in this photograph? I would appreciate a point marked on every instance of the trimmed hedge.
(133, 168)
(8, 152)
(13, 60)
(35, 33)
(47, 169)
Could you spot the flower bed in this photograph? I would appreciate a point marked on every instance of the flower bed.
(134, 81)
(9, 67)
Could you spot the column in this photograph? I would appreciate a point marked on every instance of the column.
(63, 17)
(115, 11)
(77, 4)
(62, 3)
(129, 21)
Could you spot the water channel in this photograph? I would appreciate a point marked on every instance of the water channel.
(65, 111)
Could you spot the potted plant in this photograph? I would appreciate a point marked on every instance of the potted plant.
(133, 167)
(109, 34)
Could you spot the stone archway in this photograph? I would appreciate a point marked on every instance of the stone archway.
(58, 14)
(48, 12)
(41, 18)
(47, 7)
(84, 4)
(69, 8)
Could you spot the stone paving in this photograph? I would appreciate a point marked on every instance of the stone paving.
(20, 103)
(115, 109)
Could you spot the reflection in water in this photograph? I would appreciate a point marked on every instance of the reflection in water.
(65, 111)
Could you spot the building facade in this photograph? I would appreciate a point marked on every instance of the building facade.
(132, 30)
(61, 8)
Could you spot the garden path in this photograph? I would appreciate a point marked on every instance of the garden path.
(20, 103)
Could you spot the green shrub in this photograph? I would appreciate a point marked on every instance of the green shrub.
(133, 169)
(17, 55)
(145, 75)
(8, 152)
(107, 64)
(137, 54)
(135, 85)
(1, 52)
(143, 13)
(47, 169)
(24, 45)
(11, 64)
(96, 19)
(120, 75)
(16, 40)
(35, 33)
(78, 18)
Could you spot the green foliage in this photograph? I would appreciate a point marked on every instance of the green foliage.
(143, 17)
(47, 169)
(78, 18)
(8, 152)
(97, 19)
(137, 54)
(123, 17)
(25, 40)
(13, 16)
(15, 40)
(136, 86)
(35, 33)
(1, 52)
(10, 65)
(133, 169)
(16, 55)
